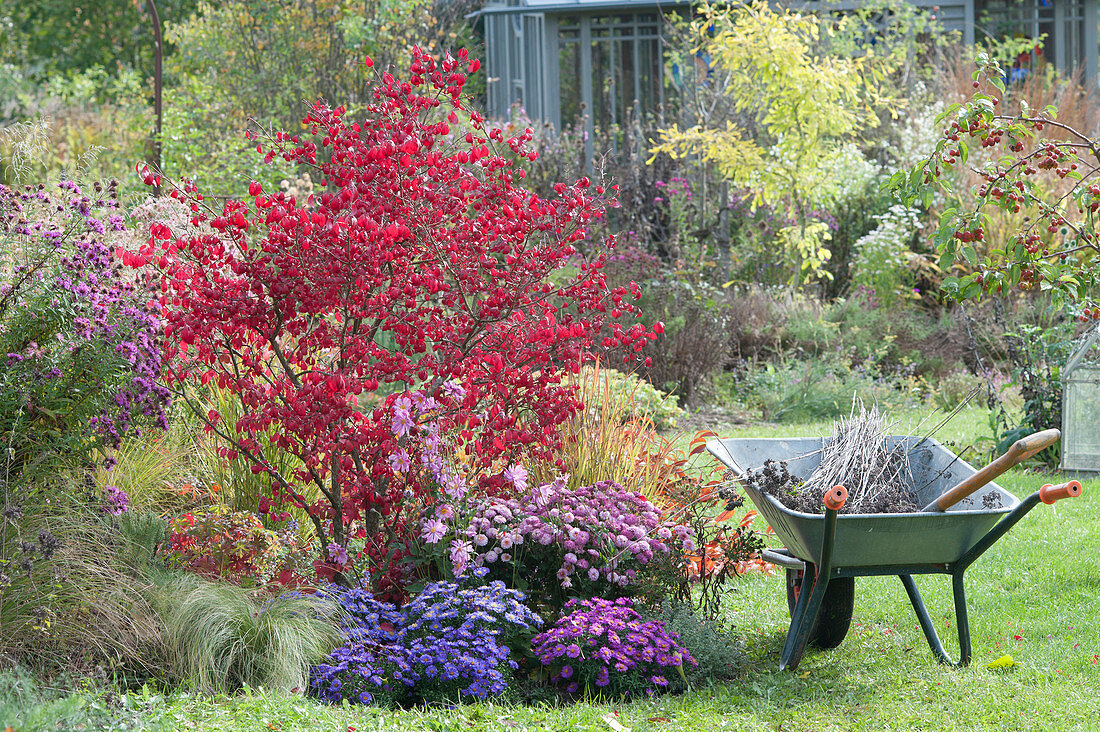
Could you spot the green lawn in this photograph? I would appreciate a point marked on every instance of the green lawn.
(968, 428)
(1035, 595)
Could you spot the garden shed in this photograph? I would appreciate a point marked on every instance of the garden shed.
(559, 57)
(1081, 405)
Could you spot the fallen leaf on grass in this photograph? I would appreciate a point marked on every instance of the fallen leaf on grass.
(1002, 663)
(508, 722)
(658, 719)
(614, 724)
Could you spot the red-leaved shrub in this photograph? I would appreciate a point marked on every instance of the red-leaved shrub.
(423, 264)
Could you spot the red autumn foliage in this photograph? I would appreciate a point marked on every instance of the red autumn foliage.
(424, 264)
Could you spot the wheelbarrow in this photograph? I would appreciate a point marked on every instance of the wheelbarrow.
(965, 513)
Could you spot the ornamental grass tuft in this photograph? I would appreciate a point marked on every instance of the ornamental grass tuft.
(222, 638)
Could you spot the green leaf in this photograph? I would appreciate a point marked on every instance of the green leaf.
(916, 177)
(969, 290)
(943, 116)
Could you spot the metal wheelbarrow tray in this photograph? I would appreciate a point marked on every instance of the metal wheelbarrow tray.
(823, 553)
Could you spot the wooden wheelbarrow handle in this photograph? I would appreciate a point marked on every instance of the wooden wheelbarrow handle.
(1021, 450)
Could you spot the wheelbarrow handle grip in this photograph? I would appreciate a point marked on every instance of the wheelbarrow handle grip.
(1026, 447)
(1021, 450)
(1048, 494)
(835, 497)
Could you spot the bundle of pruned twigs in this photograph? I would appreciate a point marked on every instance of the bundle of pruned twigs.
(856, 456)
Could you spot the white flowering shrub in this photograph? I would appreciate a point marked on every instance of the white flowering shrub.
(880, 269)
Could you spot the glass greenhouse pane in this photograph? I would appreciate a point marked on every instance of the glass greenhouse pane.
(569, 80)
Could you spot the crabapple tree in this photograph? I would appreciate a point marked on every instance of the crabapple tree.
(1043, 176)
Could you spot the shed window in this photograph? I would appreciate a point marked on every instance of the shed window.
(624, 67)
(569, 73)
(1062, 23)
(1080, 405)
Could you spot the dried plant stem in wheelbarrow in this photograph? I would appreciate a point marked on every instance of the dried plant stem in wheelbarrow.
(877, 477)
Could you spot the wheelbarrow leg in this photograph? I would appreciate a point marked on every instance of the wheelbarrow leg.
(806, 610)
(961, 619)
(1048, 494)
(810, 600)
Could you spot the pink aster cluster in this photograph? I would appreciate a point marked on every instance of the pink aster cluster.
(599, 534)
(606, 643)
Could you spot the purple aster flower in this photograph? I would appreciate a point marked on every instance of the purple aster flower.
(402, 422)
(399, 461)
(433, 531)
(118, 502)
(517, 476)
(338, 553)
(460, 555)
(453, 485)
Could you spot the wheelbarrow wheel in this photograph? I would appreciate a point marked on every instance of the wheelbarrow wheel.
(836, 608)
